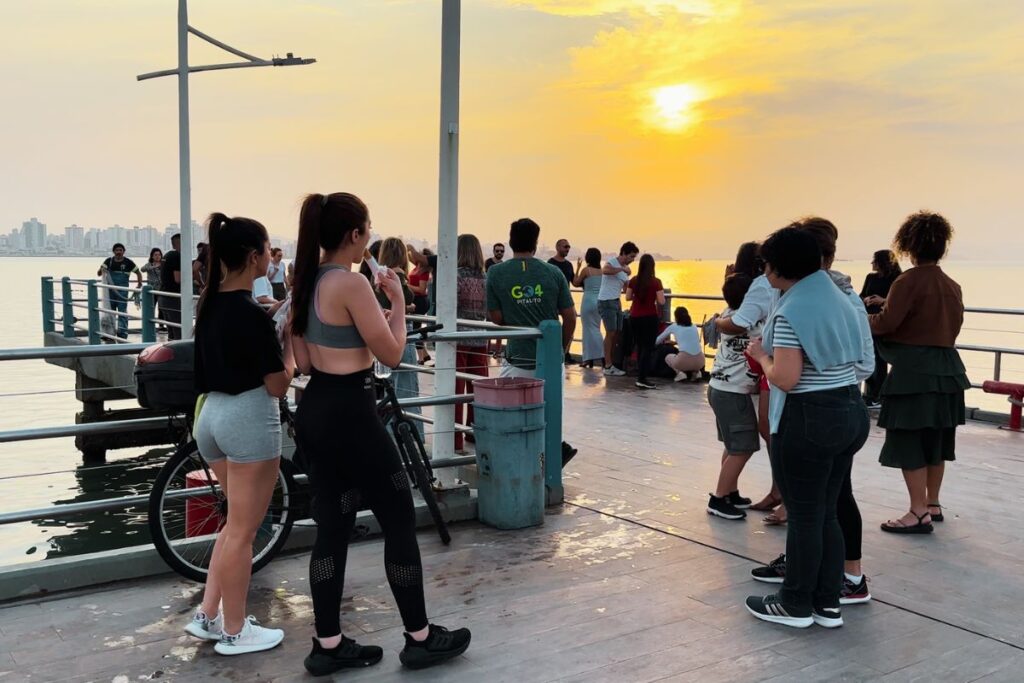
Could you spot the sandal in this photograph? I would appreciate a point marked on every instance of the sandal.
(898, 527)
(768, 504)
(773, 519)
(936, 516)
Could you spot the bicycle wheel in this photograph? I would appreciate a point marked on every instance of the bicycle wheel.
(416, 459)
(187, 510)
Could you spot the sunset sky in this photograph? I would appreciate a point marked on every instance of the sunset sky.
(685, 125)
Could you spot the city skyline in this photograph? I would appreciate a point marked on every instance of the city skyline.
(688, 126)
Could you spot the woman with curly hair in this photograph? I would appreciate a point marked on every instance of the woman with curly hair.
(923, 396)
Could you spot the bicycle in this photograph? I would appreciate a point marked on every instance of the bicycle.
(187, 508)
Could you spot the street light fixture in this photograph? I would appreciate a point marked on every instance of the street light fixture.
(184, 160)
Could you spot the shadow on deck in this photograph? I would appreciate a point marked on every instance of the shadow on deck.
(630, 580)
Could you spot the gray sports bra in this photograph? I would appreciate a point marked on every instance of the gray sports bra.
(332, 336)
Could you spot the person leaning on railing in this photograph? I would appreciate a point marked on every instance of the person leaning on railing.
(338, 329)
(923, 396)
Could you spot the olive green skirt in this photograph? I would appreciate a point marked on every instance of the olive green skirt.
(922, 405)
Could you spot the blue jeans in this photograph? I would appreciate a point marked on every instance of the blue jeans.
(811, 457)
(119, 302)
(407, 382)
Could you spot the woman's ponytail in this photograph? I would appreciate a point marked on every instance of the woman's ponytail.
(231, 240)
(324, 223)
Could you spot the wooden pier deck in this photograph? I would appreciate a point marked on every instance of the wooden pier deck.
(630, 580)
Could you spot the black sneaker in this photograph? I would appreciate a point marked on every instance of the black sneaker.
(854, 593)
(347, 655)
(828, 617)
(568, 453)
(739, 501)
(721, 507)
(773, 572)
(770, 608)
(440, 646)
(644, 384)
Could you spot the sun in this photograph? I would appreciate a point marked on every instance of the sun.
(673, 106)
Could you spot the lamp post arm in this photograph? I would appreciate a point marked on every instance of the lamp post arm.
(224, 46)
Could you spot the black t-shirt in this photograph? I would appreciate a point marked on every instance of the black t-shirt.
(172, 263)
(125, 266)
(876, 285)
(236, 344)
(565, 267)
(488, 263)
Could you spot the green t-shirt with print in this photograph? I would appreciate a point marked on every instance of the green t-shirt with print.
(527, 291)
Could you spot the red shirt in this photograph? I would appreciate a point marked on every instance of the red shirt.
(645, 304)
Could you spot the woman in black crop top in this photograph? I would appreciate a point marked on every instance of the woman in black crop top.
(885, 269)
(243, 370)
(353, 462)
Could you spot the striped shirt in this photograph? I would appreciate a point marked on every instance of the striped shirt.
(810, 378)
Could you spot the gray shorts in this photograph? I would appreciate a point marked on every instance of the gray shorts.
(610, 311)
(242, 428)
(736, 421)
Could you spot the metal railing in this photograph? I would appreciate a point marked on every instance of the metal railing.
(85, 295)
(997, 351)
(549, 368)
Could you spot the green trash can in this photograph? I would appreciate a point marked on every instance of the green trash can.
(509, 451)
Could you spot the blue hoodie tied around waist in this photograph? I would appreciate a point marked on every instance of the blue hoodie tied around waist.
(826, 323)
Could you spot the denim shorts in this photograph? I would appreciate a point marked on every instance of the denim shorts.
(242, 427)
(610, 311)
(736, 421)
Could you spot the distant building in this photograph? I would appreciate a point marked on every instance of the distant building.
(34, 235)
(74, 239)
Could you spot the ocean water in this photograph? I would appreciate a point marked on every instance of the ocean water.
(33, 394)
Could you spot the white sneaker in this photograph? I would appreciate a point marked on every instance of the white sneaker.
(681, 376)
(204, 627)
(613, 372)
(252, 638)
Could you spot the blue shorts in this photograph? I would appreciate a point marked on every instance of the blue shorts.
(610, 311)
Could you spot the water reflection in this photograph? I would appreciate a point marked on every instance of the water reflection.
(110, 529)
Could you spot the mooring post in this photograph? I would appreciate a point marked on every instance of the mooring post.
(47, 301)
(94, 312)
(148, 313)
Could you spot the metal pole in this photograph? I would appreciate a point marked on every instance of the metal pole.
(47, 292)
(148, 313)
(94, 312)
(447, 222)
(184, 174)
(68, 315)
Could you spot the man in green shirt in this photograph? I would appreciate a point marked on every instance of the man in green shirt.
(524, 291)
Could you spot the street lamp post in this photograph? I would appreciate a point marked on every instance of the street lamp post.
(184, 160)
(447, 220)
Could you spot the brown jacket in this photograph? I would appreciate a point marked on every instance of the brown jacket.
(925, 307)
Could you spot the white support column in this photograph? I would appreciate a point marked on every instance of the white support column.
(447, 222)
(185, 173)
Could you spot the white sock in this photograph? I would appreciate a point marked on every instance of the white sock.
(855, 579)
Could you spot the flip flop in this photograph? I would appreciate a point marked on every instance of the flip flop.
(898, 527)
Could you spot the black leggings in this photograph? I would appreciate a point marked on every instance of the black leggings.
(354, 464)
(645, 332)
(848, 515)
